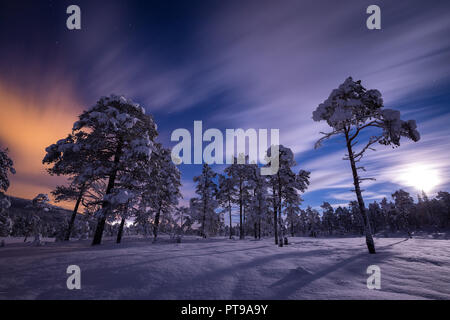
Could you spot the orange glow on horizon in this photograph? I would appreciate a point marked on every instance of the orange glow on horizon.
(29, 122)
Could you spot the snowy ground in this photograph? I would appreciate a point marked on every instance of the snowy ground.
(227, 269)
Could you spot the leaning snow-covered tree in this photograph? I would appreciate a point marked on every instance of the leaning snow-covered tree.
(68, 159)
(69, 193)
(352, 109)
(113, 137)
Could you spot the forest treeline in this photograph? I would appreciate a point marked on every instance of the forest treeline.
(398, 214)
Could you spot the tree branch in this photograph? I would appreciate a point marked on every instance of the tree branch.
(327, 135)
(373, 123)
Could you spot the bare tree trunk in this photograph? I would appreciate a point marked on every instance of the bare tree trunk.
(245, 220)
(280, 233)
(280, 219)
(259, 227)
(204, 219)
(229, 208)
(74, 214)
(99, 231)
(112, 178)
(258, 221)
(119, 234)
(275, 215)
(205, 205)
(406, 223)
(241, 226)
(292, 228)
(203, 224)
(156, 225)
(362, 209)
(181, 223)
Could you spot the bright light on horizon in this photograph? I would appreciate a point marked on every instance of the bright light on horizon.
(422, 177)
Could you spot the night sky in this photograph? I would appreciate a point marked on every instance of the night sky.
(231, 64)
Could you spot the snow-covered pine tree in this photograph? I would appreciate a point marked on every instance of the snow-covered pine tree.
(313, 219)
(259, 201)
(191, 218)
(388, 212)
(357, 223)
(118, 136)
(443, 200)
(162, 186)
(6, 168)
(38, 206)
(83, 227)
(375, 216)
(226, 196)
(206, 203)
(404, 205)
(181, 218)
(65, 157)
(247, 199)
(302, 222)
(6, 223)
(239, 172)
(328, 218)
(284, 183)
(142, 221)
(424, 214)
(351, 109)
(292, 210)
(342, 219)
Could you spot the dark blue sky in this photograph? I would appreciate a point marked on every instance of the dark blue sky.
(231, 64)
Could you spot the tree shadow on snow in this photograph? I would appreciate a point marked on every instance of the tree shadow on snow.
(299, 278)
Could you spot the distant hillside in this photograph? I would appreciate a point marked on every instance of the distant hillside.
(50, 221)
(20, 203)
(19, 207)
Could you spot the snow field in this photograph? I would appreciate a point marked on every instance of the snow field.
(218, 268)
